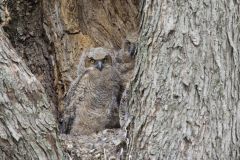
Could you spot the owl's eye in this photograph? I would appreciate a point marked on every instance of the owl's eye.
(104, 60)
(92, 61)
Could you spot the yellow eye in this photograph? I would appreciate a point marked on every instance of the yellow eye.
(92, 61)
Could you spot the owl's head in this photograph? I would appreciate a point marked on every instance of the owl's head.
(98, 59)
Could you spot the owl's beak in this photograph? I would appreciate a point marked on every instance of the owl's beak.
(99, 65)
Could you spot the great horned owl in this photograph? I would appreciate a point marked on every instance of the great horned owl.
(125, 65)
(93, 98)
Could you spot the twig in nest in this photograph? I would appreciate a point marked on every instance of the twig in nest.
(105, 156)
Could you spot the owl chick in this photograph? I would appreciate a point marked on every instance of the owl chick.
(125, 65)
(93, 98)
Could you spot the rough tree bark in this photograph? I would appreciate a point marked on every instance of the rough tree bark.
(185, 94)
(26, 33)
(27, 125)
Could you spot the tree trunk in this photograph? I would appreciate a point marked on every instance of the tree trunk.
(27, 125)
(185, 94)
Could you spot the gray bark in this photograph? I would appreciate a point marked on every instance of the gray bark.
(185, 94)
(27, 125)
(27, 35)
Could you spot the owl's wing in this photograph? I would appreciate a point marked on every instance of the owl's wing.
(70, 108)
